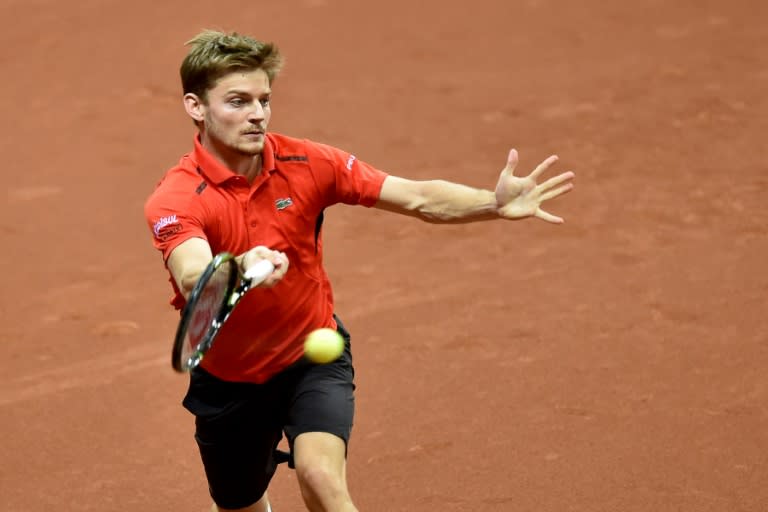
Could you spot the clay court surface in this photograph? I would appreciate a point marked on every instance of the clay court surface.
(616, 363)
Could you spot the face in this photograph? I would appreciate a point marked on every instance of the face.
(236, 114)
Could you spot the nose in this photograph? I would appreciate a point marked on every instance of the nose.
(256, 113)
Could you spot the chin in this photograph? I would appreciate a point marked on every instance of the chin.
(251, 149)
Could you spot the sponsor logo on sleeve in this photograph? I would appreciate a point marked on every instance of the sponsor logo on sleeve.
(166, 227)
(351, 162)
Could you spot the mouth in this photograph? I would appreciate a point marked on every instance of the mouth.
(254, 134)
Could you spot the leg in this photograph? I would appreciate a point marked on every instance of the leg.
(260, 506)
(320, 460)
(237, 432)
(318, 429)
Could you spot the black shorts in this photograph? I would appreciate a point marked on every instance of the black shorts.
(239, 425)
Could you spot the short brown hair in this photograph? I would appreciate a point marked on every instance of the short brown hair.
(214, 54)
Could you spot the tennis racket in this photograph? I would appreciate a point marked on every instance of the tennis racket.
(216, 293)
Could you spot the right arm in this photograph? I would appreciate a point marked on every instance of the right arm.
(189, 259)
(187, 262)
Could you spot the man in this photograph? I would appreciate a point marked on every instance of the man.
(260, 196)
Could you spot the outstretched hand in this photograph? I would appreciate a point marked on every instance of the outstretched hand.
(521, 197)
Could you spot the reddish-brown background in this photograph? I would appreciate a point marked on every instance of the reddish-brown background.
(616, 363)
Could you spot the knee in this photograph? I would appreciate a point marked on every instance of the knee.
(317, 476)
(321, 481)
(320, 470)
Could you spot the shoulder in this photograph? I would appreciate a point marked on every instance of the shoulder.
(292, 148)
(180, 186)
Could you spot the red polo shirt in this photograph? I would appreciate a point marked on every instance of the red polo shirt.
(201, 198)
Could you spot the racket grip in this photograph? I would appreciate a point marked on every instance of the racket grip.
(259, 272)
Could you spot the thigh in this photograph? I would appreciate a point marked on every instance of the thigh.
(324, 399)
(237, 428)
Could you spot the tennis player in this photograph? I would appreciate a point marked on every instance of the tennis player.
(261, 195)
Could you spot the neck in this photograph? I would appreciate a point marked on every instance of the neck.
(253, 170)
(243, 164)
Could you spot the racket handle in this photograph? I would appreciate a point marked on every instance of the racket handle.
(259, 272)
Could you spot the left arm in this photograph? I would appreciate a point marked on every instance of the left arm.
(437, 201)
(445, 202)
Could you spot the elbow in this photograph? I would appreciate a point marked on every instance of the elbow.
(186, 282)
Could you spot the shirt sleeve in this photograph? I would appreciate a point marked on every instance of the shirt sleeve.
(344, 178)
(173, 215)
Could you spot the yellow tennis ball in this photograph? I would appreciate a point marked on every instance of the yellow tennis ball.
(323, 346)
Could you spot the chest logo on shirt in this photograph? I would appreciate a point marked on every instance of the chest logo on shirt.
(283, 203)
(350, 162)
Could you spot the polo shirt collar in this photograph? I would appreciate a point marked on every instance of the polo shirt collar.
(218, 172)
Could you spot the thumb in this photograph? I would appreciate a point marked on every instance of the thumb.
(511, 162)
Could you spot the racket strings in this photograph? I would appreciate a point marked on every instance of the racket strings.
(207, 309)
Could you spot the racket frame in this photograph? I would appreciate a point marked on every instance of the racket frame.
(237, 285)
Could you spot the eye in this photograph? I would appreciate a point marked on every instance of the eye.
(265, 102)
(236, 102)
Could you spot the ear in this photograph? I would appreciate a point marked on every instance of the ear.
(194, 107)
